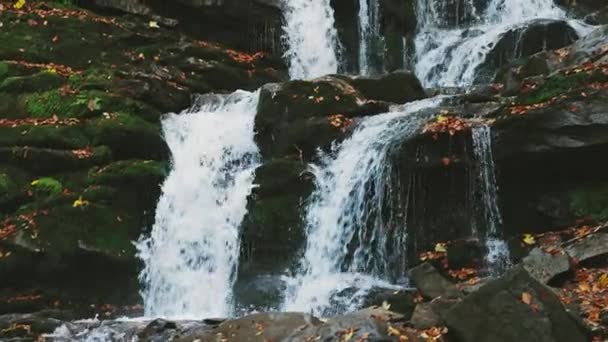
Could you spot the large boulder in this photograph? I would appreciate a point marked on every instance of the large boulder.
(432, 284)
(535, 36)
(514, 307)
(288, 113)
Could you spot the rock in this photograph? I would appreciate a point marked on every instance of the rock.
(465, 253)
(545, 266)
(155, 328)
(260, 327)
(400, 301)
(425, 317)
(371, 324)
(589, 247)
(397, 87)
(499, 312)
(587, 48)
(289, 112)
(538, 35)
(432, 284)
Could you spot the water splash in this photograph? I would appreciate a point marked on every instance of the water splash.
(355, 234)
(497, 258)
(192, 252)
(449, 54)
(311, 37)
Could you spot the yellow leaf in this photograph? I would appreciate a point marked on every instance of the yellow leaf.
(153, 24)
(19, 4)
(603, 281)
(393, 332)
(440, 248)
(526, 298)
(441, 118)
(80, 202)
(51, 70)
(34, 183)
(348, 335)
(529, 239)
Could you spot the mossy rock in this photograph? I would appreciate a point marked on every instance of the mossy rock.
(46, 187)
(591, 201)
(130, 173)
(128, 136)
(50, 103)
(558, 84)
(42, 160)
(41, 81)
(45, 136)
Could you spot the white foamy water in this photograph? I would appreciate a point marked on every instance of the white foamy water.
(449, 55)
(311, 37)
(369, 35)
(497, 258)
(192, 253)
(348, 231)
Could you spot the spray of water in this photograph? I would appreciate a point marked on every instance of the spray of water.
(191, 255)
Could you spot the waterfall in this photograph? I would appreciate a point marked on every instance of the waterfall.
(352, 223)
(498, 253)
(192, 253)
(369, 36)
(449, 53)
(311, 38)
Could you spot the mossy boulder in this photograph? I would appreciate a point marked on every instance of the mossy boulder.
(397, 87)
(42, 160)
(46, 187)
(131, 173)
(41, 81)
(275, 209)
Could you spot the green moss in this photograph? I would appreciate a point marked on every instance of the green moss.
(4, 71)
(556, 85)
(5, 183)
(130, 173)
(60, 137)
(591, 201)
(49, 103)
(41, 81)
(47, 187)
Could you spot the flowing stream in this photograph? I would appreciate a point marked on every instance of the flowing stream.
(192, 253)
(353, 240)
(449, 52)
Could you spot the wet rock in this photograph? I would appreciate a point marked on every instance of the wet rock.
(499, 311)
(425, 317)
(545, 266)
(592, 246)
(588, 48)
(399, 301)
(156, 328)
(371, 324)
(397, 87)
(431, 283)
(537, 36)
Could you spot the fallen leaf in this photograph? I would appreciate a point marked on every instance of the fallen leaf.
(153, 24)
(529, 239)
(526, 298)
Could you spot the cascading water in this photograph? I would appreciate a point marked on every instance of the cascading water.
(370, 41)
(349, 230)
(450, 53)
(498, 254)
(192, 252)
(311, 38)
